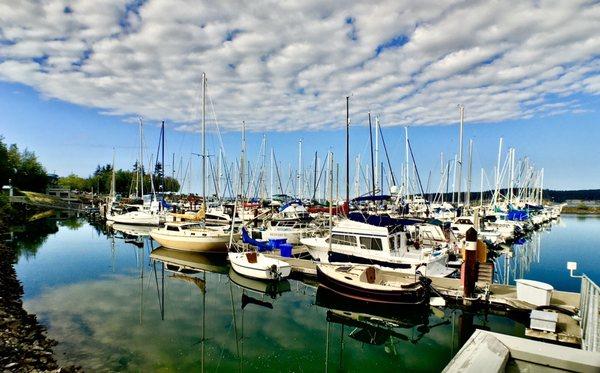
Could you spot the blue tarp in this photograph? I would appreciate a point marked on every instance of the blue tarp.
(517, 215)
(288, 204)
(165, 204)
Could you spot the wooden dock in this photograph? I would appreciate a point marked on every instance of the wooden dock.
(499, 299)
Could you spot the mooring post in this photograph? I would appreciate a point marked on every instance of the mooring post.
(468, 270)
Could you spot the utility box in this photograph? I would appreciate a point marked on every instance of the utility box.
(534, 292)
(543, 320)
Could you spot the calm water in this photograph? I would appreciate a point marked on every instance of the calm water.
(110, 308)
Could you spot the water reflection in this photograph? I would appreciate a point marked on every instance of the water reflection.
(116, 305)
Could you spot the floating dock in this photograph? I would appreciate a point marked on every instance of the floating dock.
(499, 299)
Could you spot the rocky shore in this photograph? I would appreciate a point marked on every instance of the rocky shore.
(24, 346)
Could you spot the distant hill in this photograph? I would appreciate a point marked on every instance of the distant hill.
(563, 195)
(551, 195)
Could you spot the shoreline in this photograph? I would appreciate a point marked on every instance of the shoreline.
(592, 211)
(24, 345)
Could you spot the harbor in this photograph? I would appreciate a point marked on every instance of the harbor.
(295, 186)
(132, 289)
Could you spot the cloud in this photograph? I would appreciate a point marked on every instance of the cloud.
(283, 66)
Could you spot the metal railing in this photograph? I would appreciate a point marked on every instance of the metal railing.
(589, 309)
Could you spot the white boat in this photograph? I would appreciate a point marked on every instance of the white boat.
(362, 243)
(192, 237)
(256, 265)
(139, 217)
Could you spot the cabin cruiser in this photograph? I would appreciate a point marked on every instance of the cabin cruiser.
(386, 246)
(462, 224)
(193, 237)
(291, 222)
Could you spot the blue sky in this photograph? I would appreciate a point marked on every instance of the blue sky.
(75, 76)
(70, 138)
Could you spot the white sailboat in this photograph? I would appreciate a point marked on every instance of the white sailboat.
(195, 236)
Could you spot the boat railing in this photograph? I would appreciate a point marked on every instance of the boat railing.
(589, 309)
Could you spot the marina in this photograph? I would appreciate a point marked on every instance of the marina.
(144, 300)
(296, 186)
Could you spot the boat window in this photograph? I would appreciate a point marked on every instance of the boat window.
(371, 243)
(172, 228)
(392, 242)
(343, 239)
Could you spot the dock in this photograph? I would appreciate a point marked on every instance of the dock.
(498, 299)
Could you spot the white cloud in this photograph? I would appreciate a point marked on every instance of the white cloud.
(271, 63)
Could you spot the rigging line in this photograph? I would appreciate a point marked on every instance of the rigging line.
(387, 155)
(415, 164)
(319, 179)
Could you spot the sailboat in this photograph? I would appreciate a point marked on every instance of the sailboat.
(195, 236)
(148, 212)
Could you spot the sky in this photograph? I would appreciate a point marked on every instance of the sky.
(76, 76)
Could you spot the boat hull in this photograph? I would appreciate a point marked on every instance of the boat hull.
(202, 244)
(416, 295)
(261, 271)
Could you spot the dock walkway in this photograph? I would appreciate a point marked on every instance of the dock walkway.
(501, 298)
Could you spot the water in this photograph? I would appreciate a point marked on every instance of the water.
(102, 299)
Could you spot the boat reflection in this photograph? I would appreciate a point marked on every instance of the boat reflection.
(185, 262)
(271, 288)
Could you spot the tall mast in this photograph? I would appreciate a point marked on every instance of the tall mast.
(498, 171)
(300, 169)
(112, 181)
(481, 189)
(406, 161)
(470, 167)
(347, 149)
(315, 177)
(271, 172)
(460, 153)
(162, 187)
(377, 167)
(373, 175)
(511, 180)
(204, 139)
(243, 159)
(141, 159)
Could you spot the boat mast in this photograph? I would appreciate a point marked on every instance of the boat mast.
(498, 172)
(406, 161)
(162, 186)
(141, 159)
(378, 170)
(243, 160)
(347, 149)
(469, 180)
(373, 177)
(300, 169)
(460, 153)
(204, 139)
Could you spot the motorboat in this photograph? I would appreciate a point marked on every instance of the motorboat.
(386, 246)
(193, 237)
(373, 284)
(258, 266)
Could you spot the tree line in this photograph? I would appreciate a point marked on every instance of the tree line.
(126, 181)
(21, 168)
